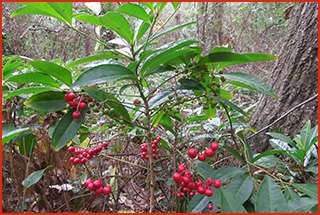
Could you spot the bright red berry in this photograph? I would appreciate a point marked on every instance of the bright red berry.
(71, 95)
(82, 99)
(97, 183)
(83, 160)
(105, 145)
(91, 187)
(208, 192)
(199, 183)
(82, 105)
(201, 190)
(98, 191)
(178, 194)
(186, 179)
(76, 114)
(106, 190)
(155, 156)
(217, 183)
(182, 194)
(158, 138)
(209, 181)
(76, 161)
(210, 207)
(214, 146)
(191, 186)
(188, 174)
(191, 194)
(192, 153)
(89, 156)
(176, 176)
(66, 98)
(181, 168)
(89, 99)
(202, 157)
(71, 149)
(209, 152)
(91, 86)
(218, 207)
(88, 181)
(73, 103)
(72, 159)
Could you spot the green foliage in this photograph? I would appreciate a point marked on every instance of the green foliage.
(34, 177)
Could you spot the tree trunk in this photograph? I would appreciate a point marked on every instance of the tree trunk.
(294, 78)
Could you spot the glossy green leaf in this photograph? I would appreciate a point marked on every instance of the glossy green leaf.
(103, 73)
(66, 129)
(235, 153)
(289, 194)
(280, 137)
(268, 153)
(7, 136)
(224, 94)
(140, 29)
(34, 177)
(47, 101)
(229, 203)
(166, 122)
(33, 77)
(270, 198)
(118, 23)
(59, 72)
(28, 90)
(135, 11)
(92, 58)
(159, 98)
(160, 69)
(189, 84)
(210, 112)
(101, 96)
(197, 204)
(251, 81)
(26, 143)
(168, 30)
(64, 9)
(89, 19)
(230, 104)
(311, 189)
(8, 68)
(241, 187)
(148, 4)
(301, 205)
(175, 5)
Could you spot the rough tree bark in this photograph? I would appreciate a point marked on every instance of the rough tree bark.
(294, 78)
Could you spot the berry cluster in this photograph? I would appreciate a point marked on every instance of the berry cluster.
(79, 103)
(184, 178)
(85, 153)
(96, 187)
(209, 152)
(144, 149)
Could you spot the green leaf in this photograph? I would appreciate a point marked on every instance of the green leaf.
(167, 123)
(175, 5)
(33, 77)
(168, 30)
(148, 4)
(311, 189)
(89, 19)
(235, 153)
(6, 137)
(302, 205)
(135, 11)
(47, 101)
(64, 9)
(27, 140)
(229, 203)
(281, 137)
(197, 204)
(251, 81)
(264, 154)
(289, 194)
(92, 58)
(241, 187)
(270, 198)
(103, 73)
(189, 84)
(160, 69)
(118, 23)
(66, 129)
(28, 90)
(160, 98)
(101, 96)
(140, 29)
(230, 104)
(224, 94)
(9, 67)
(34, 177)
(54, 70)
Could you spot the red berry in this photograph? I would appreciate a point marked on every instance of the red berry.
(76, 161)
(209, 181)
(192, 153)
(188, 174)
(202, 157)
(88, 181)
(186, 179)
(217, 183)
(105, 145)
(154, 146)
(191, 194)
(66, 98)
(201, 190)
(89, 156)
(147, 157)
(71, 149)
(185, 189)
(84, 153)
(98, 191)
(199, 183)
(73, 103)
(218, 207)
(82, 105)
(191, 186)
(214, 146)
(76, 114)
(208, 192)
(155, 156)
(106, 190)
(182, 194)
(97, 183)
(91, 86)
(154, 151)
(181, 168)
(91, 187)
(158, 138)
(83, 160)
(182, 183)
(210, 207)
(91, 151)
(72, 159)
(178, 194)
(89, 99)
(176, 176)
(71, 95)
(209, 152)
(82, 99)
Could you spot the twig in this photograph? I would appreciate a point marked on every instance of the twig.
(291, 110)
